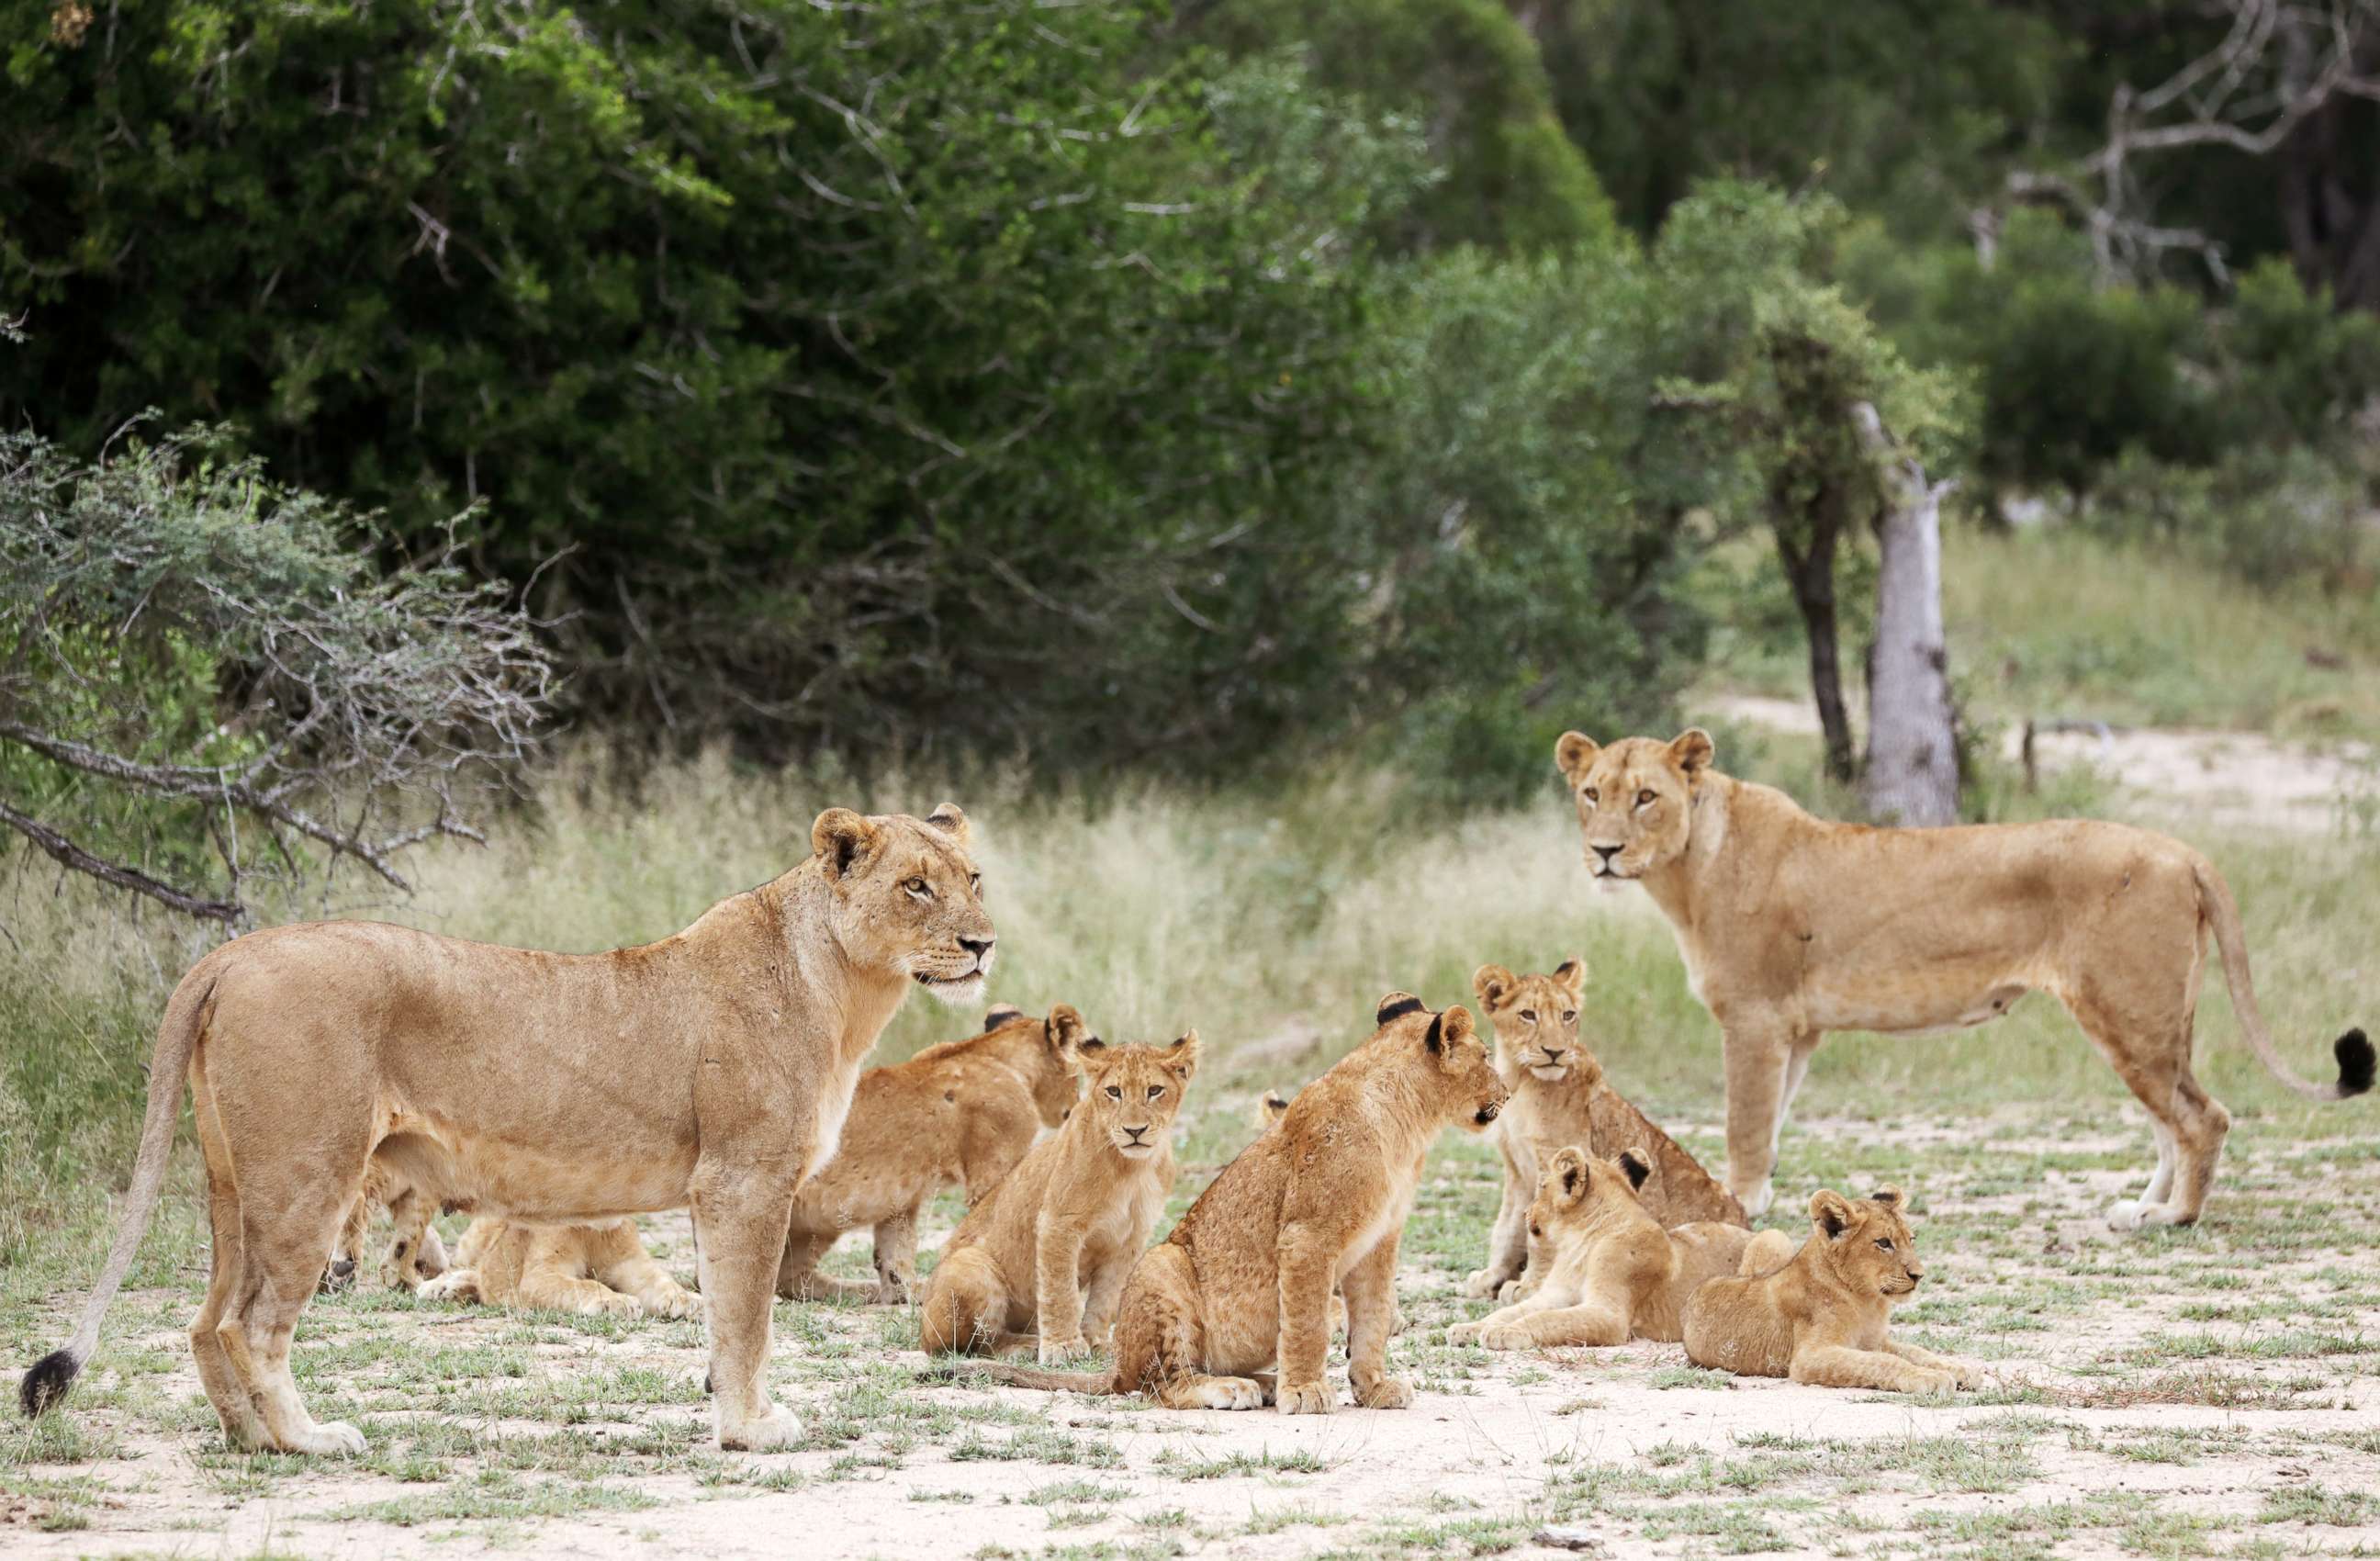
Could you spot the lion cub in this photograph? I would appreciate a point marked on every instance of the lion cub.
(1821, 1317)
(1047, 1249)
(585, 1268)
(963, 1112)
(1605, 1271)
(1561, 1098)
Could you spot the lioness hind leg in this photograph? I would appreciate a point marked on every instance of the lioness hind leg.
(224, 1388)
(283, 1243)
(798, 1278)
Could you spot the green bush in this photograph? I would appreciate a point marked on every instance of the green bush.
(2267, 515)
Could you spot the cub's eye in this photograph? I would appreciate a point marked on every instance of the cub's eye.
(1156, 1090)
(1114, 1094)
(1883, 1246)
(1591, 795)
(1539, 1232)
(917, 886)
(1643, 797)
(1528, 1016)
(1570, 1016)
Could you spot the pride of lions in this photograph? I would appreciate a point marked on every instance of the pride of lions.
(340, 1068)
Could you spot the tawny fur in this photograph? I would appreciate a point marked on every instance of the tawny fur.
(1233, 1310)
(1604, 1269)
(1821, 1318)
(1791, 926)
(1043, 1258)
(711, 1069)
(962, 1114)
(1561, 1097)
(415, 1252)
(584, 1268)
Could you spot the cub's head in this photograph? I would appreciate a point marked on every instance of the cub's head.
(1536, 1019)
(1451, 1057)
(1135, 1091)
(1636, 798)
(1866, 1242)
(906, 899)
(1579, 1193)
(1057, 1073)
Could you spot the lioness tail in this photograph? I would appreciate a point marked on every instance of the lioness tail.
(2353, 1049)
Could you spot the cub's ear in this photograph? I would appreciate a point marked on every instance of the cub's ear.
(842, 840)
(1637, 1168)
(1574, 751)
(1447, 1029)
(1090, 1048)
(1691, 750)
(1567, 1171)
(1571, 976)
(1890, 1197)
(1182, 1057)
(1831, 1213)
(950, 821)
(1396, 1005)
(999, 1014)
(1064, 1030)
(1271, 1107)
(1489, 983)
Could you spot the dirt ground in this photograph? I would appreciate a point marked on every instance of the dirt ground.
(2203, 1391)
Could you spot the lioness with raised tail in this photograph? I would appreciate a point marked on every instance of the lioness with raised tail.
(1792, 926)
(711, 1069)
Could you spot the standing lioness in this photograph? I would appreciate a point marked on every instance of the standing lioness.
(711, 1068)
(1791, 926)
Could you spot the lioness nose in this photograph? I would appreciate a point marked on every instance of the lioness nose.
(978, 947)
(1606, 851)
(1553, 1054)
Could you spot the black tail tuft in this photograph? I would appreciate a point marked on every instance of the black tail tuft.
(2354, 1052)
(47, 1382)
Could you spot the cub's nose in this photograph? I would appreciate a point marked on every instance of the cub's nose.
(1607, 852)
(1553, 1054)
(1487, 1113)
(978, 947)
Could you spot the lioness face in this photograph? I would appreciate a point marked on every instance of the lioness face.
(1634, 799)
(1576, 1194)
(1135, 1091)
(1536, 1017)
(908, 897)
(1867, 1242)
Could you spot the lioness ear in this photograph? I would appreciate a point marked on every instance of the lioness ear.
(999, 1014)
(950, 821)
(1182, 1057)
(1574, 751)
(1567, 1168)
(1490, 982)
(1396, 1005)
(1571, 976)
(1064, 1030)
(1271, 1108)
(1831, 1213)
(1691, 750)
(841, 838)
(1889, 1196)
(1635, 1167)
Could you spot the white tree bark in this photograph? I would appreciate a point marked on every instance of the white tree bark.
(1911, 775)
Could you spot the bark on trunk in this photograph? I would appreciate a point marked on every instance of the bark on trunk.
(1911, 775)
(1810, 572)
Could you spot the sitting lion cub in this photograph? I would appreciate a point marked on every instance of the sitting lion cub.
(585, 1268)
(1559, 1098)
(962, 1112)
(1821, 1318)
(1048, 1249)
(1605, 1271)
(1233, 1308)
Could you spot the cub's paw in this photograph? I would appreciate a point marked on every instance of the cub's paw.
(1302, 1398)
(1054, 1351)
(675, 1302)
(780, 1427)
(893, 1290)
(449, 1286)
(1387, 1393)
(1511, 1336)
(1508, 1292)
(1931, 1381)
(1464, 1333)
(1969, 1374)
(1229, 1393)
(1481, 1283)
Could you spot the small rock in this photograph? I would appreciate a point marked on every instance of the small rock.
(1569, 1536)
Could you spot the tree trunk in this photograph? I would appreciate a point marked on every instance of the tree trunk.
(1911, 775)
(1810, 572)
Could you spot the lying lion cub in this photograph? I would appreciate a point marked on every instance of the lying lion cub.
(1821, 1318)
(585, 1268)
(1605, 1271)
(961, 1113)
(1561, 1098)
(1233, 1308)
(1070, 1220)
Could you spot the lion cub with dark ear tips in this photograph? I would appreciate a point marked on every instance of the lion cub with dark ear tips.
(1603, 1270)
(1048, 1249)
(1821, 1318)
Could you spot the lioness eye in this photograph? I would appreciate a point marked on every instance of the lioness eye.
(1570, 1016)
(1114, 1094)
(1591, 795)
(1643, 797)
(1156, 1090)
(915, 885)
(1529, 1016)
(1883, 1246)
(1537, 1231)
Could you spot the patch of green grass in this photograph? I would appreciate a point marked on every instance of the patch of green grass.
(1191, 1466)
(2319, 1504)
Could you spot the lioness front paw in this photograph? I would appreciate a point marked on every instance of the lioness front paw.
(333, 1438)
(1386, 1393)
(1969, 1374)
(1511, 1336)
(1481, 1283)
(778, 1427)
(2126, 1213)
(1930, 1381)
(1304, 1398)
(1053, 1350)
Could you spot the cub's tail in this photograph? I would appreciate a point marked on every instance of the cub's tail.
(1025, 1377)
(2353, 1049)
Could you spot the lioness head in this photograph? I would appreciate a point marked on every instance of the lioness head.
(1536, 1017)
(906, 897)
(1636, 798)
(1136, 1090)
(1057, 1078)
(1866, 1241)
(1452, 1058)
(1578, 1193)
